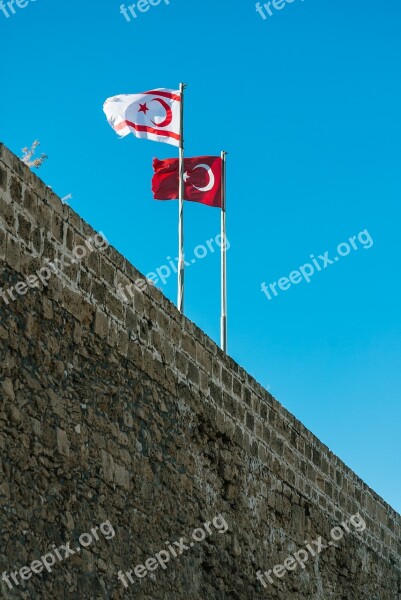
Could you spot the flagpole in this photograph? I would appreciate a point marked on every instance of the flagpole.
(180, 294)
(223, 319)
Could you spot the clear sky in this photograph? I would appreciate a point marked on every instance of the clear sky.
(307, 103)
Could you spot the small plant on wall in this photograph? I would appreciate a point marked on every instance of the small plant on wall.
(28, 153)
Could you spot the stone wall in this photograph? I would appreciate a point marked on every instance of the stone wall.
(124, 411)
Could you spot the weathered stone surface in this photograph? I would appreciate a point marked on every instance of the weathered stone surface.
(127, 412)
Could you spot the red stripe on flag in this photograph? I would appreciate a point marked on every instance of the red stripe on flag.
(146, 129)
(164, 94)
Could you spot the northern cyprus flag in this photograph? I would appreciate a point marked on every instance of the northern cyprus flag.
(153, 115)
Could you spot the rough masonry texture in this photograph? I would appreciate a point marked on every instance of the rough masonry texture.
(127, 412)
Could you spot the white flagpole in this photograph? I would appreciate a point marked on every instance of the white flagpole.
(180, 295)
(223, 320)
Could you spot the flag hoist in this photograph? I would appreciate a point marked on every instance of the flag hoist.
(223, 318)
(180, 291)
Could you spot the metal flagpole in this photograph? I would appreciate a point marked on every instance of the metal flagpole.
(180, 295)
(223, 320)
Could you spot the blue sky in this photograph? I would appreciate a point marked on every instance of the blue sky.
(307, 104)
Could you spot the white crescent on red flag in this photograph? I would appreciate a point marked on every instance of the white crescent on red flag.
(202, 179)
(153, 115)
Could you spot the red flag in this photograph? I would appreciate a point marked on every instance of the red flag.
(202, 179)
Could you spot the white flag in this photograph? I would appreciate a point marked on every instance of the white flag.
(153, 115)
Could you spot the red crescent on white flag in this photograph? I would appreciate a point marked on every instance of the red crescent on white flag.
(169, 113)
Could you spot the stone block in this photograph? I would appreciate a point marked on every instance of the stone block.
(7, 214)
(13, 253)
(62, 442)
(16, 189)
(101, 324)
(3, 177)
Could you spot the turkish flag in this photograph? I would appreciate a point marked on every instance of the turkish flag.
(202, 179)
(153, 115)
